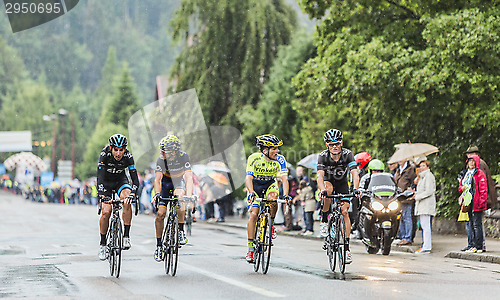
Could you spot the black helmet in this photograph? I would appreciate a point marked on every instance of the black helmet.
(268, 140)
(118, 141)
(332, 135)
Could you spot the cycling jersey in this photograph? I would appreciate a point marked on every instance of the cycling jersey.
(111, 173)
(264, 174)
(336, 171)
(173, 173)
(263, 170)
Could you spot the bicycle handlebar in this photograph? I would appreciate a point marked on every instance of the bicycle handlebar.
(338, 196)
(270, 200)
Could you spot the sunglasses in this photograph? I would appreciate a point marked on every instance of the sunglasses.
(119, 149)
(334, 144)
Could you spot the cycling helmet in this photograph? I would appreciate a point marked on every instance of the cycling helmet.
(170, 143)
(118, 141)
(362, 159)
(376, 165)
(332, 135)
(268, 140)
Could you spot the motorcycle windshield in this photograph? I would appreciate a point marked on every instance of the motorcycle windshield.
(382, 184)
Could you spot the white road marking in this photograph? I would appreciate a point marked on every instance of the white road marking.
(237, 283)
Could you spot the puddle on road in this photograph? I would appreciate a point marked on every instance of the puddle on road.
(12, 251)
(54, 255)
(35, 281)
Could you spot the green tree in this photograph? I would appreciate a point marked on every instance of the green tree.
(114, 119)
(387, 73)
(229, 47)
(275, 112)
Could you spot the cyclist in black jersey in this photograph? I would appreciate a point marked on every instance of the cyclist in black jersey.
(111, 176)
(333, 167)
(173, 176)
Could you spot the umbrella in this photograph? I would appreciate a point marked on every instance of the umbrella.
(411, 151)
(218, 166)
(26, 159)
(203, 170)
(310, 161)
(219, 178)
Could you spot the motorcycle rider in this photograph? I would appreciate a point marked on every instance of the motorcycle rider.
(375, 166)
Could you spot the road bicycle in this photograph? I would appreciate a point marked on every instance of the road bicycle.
(170, 237)
(263, 240)
(114, 236)
(335, 241)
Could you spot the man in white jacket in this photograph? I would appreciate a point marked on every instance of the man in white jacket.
(425, 201)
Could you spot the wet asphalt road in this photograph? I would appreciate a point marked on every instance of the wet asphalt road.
(50, 251)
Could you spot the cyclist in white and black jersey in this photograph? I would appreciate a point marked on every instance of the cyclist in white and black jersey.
(334, 164)
(111, 176)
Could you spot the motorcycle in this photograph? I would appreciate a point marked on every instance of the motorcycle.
(380, 213)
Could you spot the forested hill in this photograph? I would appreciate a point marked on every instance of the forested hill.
(71, 50)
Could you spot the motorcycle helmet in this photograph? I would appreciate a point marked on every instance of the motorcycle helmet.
(376, 165)
(362, 159)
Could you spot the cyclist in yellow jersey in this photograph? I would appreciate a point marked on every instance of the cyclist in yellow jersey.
(262, 170)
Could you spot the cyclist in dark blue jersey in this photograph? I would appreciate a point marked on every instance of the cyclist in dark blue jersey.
(114, 161)
(173, 176)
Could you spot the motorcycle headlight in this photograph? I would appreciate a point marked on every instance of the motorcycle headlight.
(393, 205)
(377, 206)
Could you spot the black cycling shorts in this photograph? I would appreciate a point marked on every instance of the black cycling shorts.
(115, 186)
(341, 187)
(167, 190)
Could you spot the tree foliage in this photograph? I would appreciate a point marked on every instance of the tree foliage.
(229, 47)
(392, 71)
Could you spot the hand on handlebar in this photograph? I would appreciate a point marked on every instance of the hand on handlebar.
(129, 199)
(155, 198)
(323, 193)
(288, 199)
(250, 198)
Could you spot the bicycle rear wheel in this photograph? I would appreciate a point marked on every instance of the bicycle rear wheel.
(341, 243)
(330, 244)
(175, 246)
(118, 248)
(266, 247)
(257, 245)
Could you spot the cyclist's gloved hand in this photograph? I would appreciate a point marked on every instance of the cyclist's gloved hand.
(250, 198)
(129, 199)
(288, 199)
(155, 198)
(323, 193)
(357, 193)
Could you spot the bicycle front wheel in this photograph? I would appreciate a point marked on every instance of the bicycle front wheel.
(111, 253)
(266, 246)
(189, 221)
(257, 244)
(341, 243)
(118, 248)
(175, 246)
(330, 244)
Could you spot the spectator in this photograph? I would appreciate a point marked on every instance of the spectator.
(404, 176)
(492, 199)
(425, 202)
(301, 175)
(473, 185)
(306, 195)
